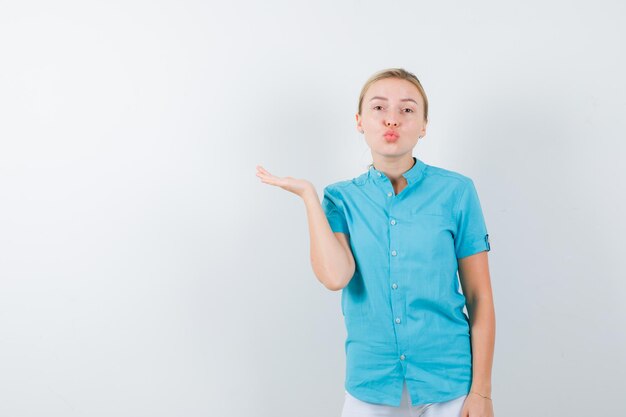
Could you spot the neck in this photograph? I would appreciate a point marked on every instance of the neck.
(394, 169)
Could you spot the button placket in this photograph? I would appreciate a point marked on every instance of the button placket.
(397, 297)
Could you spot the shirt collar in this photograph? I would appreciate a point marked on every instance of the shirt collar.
(412, 175)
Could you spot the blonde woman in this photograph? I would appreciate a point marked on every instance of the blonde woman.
(394, 240)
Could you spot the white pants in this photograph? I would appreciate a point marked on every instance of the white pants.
(353, 407)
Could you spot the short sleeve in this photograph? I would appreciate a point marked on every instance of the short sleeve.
(471, 236)
(335, 216)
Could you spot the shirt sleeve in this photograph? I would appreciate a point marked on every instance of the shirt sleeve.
(472, 236)
(335, 216)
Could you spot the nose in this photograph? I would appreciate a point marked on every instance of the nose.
(391, 123)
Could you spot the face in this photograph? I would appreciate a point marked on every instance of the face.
(392, 105)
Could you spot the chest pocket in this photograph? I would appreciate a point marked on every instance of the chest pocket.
(431, 233)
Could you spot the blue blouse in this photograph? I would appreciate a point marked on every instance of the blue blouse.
(403, 308)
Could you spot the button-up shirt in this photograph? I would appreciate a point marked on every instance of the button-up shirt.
(403, 307)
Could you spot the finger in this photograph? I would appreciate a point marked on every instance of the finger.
(265, 176)
(269, 179)
(268, 175)
(261, 169)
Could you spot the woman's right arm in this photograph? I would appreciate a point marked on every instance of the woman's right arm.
(331, 256)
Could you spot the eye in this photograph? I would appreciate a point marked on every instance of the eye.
(411, 110)
(377, 106)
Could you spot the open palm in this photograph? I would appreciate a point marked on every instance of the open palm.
(294, 185)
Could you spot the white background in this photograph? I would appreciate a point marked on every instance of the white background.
(146, 271)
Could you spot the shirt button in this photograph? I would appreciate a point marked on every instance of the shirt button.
(402, 357)
(398, 320)
(389, 194)
(393, 221)
(394, 285)
(393, 253)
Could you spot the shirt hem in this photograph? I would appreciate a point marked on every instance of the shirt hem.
(451, 397)
(378, 401)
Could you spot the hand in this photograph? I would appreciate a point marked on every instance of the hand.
(294, 185)
(477, 406)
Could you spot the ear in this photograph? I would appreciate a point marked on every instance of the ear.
(359, 126)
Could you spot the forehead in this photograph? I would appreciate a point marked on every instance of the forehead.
(393, 89)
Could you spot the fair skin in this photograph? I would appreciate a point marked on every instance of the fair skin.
(392, 104)
(395, 104)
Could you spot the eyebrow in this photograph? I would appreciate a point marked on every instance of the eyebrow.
(383, 98)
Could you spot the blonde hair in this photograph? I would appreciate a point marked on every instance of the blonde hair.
(394, 73)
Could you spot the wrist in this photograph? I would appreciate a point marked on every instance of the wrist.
(309, 193)
(481, 390)
(484, 390)
(488, 397)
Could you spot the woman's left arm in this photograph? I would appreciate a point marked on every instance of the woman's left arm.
(475, 280)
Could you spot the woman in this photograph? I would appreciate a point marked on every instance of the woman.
(394, 239)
